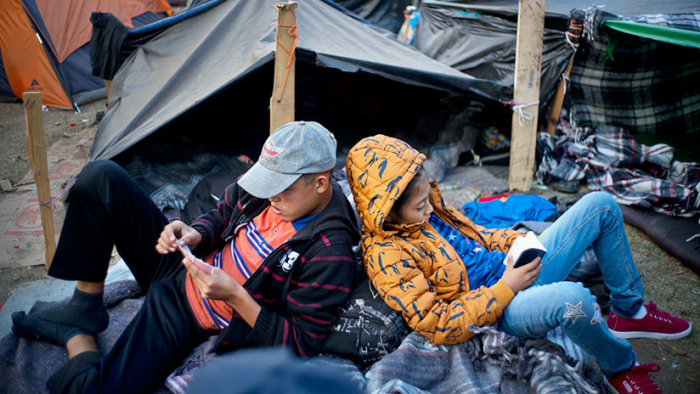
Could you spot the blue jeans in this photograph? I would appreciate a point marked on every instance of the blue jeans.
(594, 221)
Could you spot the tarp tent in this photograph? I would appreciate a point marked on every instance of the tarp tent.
(564, 7)
(645, 83)
(210, 76)
(651, 87)
(387, 14)
(112, 42)
(44, 45)
(480, 41)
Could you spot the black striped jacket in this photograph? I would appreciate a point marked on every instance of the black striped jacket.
(299, 285)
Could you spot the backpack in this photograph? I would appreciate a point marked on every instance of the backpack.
(366, 328)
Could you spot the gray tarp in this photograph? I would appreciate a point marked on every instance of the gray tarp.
(479, 38)
(387, 14)
(203, 55)
(619, 7)
(483, 44)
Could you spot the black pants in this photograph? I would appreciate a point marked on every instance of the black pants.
(107, 207)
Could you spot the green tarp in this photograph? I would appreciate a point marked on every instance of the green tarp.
(660, 33)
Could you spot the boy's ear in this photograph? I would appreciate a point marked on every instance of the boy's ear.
(322, 182)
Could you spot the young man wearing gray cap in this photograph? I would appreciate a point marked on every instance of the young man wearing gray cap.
(280, 244)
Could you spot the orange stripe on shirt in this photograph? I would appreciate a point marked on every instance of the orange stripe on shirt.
(239, 258)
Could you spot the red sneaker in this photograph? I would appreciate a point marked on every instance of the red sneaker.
(656, 324)
(636, 380)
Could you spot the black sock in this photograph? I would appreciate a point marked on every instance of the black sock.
(31, 327)
(84, 310)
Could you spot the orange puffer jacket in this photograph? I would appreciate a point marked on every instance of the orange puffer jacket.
(416, 271)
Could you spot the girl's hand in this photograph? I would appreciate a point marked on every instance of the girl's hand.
(521, 278)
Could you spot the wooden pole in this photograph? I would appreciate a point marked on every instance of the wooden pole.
(36, 146)
(282, 100)
(528, 62)
(108, 87)
(573, 36)
(558, 101)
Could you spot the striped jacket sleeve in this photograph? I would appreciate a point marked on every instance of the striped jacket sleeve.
(324, 285)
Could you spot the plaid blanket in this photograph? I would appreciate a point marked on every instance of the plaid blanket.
(613, 161)
(642, 85)
(493, 362)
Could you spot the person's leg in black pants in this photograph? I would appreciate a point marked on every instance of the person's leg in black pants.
(107, 208)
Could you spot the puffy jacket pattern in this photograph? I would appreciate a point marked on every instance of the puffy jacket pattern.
(417, 272)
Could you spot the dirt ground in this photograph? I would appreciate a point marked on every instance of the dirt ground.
(14, 163)
(667, 282)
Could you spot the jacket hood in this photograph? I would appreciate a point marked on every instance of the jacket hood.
(379, 168)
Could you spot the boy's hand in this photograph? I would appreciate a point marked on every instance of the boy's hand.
(177, 230)
(220, 286)
(215, 286)
(521, 278)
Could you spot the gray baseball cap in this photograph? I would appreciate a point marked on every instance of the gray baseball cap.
(294, 149)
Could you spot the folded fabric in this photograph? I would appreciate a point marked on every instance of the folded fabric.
(611, 160)
(503, 213)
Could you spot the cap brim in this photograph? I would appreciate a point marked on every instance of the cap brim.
(264, 183)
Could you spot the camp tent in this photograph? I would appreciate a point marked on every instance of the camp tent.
(622, 76)
(44, 45)
(387, 14)
(640, 72)
(480, 40)
(112, 42)
(208, 80)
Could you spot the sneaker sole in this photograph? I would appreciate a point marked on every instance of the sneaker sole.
(652, 335)
(610, 387)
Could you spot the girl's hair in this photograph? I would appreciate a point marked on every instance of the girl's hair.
(410, 190)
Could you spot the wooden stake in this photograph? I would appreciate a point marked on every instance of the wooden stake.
(558, 101)
(282, 100)
(528, 62)
(36, 146)
(108, 87)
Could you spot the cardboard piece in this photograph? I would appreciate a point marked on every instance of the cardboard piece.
(21, 234)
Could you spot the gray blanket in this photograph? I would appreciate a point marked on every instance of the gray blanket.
(26, 365)
(492, 362)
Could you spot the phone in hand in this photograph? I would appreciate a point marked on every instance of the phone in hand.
(185, 250)
(527, 256)
(525, 249)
